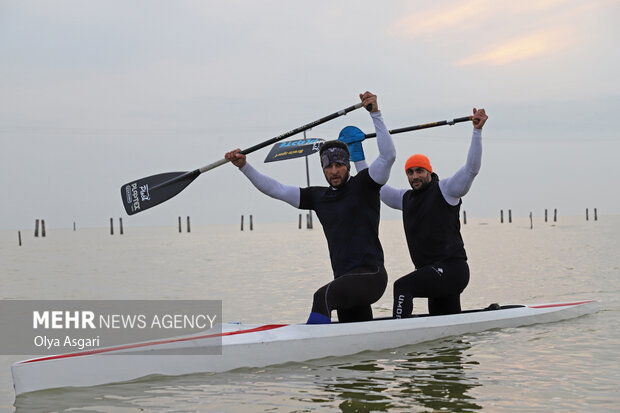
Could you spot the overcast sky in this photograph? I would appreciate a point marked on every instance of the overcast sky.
(94, 94)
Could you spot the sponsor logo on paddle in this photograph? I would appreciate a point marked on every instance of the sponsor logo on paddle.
(300, 142)
(131, 191)
(295, 148)
(144, 193)
(288, 153)
(128, 193)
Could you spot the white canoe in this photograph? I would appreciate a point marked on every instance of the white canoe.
(263, 345)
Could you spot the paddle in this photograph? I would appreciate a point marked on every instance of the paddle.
(299, 148)
(145, 193)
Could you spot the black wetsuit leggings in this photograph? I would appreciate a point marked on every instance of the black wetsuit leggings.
(441, 283)
(351, 294)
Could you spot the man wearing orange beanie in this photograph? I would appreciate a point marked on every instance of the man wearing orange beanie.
(431, 211)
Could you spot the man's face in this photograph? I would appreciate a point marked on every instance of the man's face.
(419, 178)
(336, 174)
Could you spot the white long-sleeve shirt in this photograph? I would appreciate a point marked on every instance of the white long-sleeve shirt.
(452, 188)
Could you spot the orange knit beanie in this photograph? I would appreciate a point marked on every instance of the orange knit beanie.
(418, 160)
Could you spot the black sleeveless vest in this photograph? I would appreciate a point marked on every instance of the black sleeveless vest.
(432, 226)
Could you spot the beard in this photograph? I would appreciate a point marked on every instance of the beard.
(342, 180)
(420, 184)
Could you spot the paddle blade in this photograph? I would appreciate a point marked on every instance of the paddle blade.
(351, 134)
(145, 193)
(294, 149)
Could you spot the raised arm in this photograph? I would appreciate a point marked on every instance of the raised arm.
(392, 197)
(360, 165)
(456, 186)
(266, 184)
(379, 170)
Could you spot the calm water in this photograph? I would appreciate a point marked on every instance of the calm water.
(269, 275)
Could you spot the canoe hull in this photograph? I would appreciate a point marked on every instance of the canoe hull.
(259, 346)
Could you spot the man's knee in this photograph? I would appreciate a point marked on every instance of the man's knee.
(400, 285)
(321, 293)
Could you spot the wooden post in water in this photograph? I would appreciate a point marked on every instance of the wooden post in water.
(43, 228)
(510, 216)
(309, 222)
(464, 217)
(111, 226)
(595, 215)
(587, 217)
(299, 221)
(120, 225)
(188, 226)
(531, 221)
(501, 216)
(180, 229)
(241, 222)
(73, 225)
(251, 223)
(36, 228)
(555, 215)
(545, 214)
(19, 237)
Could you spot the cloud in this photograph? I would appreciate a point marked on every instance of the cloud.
(475, 14)
(520, 31)
(524, 47)
(438, 19)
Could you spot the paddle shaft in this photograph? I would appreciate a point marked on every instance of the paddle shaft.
(279, 154)
(193, 174)
(423, 126)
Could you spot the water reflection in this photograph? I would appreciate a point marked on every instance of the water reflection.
(436, 378)
(114, 397)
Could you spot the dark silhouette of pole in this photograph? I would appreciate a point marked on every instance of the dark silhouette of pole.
(309, 223)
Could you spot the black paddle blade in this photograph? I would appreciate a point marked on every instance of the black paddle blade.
(147, 192)
(294, 149)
